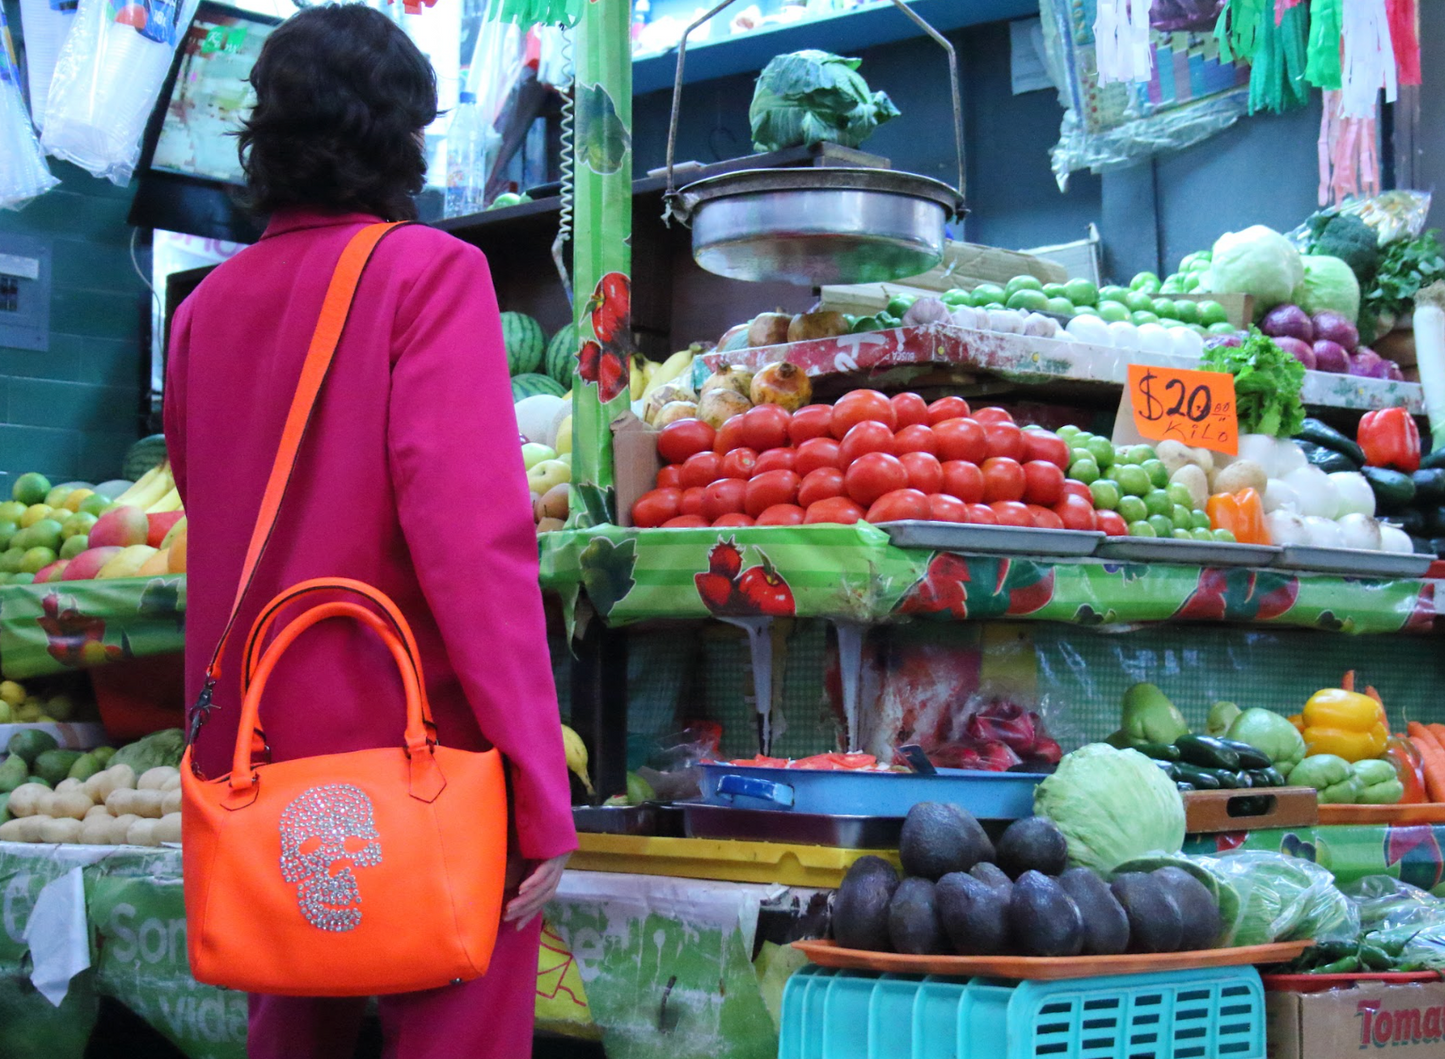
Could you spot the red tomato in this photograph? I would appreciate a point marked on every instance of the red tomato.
(982, 515)
(1043, 483)
(656, 507)
(815, 453)
(1003, 479)
(947, 408)
(835, 509)
(867, 436)
(821, 484)
(734, 520)
(870, 476)
(777, 460)
(945, 508)
(898, 505)
(682, 437)
(811, 421)
(686, 522)
(860, 405)
(1074, 487)
(925, 473)
(1111, 523)
(739, 463)
(1045, 518)
(782, 515)
(1012, 513)
(917, 438)
(765, 427)
(992, 415)
(724, 497)
(963, 480)
(960, 439)
(692, 501)
(1004, 439)
(1076, 513)
(729, 436)
(775, 487)
(670, 477)
(701, 468)
(909, 409)
(1047, 446)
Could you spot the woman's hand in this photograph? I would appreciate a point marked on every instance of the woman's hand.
(536, 890)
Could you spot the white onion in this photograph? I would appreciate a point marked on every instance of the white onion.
(1090, 329)
(1186, 343)
(968, 316)
(1360, 531)
(1280, 496)
(1394, 539)
(1288, 457)
(1263, 450)
(1324, 532)
(1286, 529)
(1039, 326)
(1155, 338)
(1317, 494)
(1123, 335)
(1356, 496)
(1004, 321)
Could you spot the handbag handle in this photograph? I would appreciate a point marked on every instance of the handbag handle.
(340, 294)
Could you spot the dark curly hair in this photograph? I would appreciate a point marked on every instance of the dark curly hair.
(342, 95)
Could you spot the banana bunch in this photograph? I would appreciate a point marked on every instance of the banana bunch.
(649, 375)
(576, 756)
(155, 492)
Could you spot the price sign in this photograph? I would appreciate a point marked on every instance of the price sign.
(1193, 407)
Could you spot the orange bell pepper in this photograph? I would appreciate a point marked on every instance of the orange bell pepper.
(1240, 513)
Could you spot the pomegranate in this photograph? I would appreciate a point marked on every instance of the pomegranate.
(728, 377)
(716, 407)
(782, 384)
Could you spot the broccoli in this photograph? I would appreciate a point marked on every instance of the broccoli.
(1345, 236)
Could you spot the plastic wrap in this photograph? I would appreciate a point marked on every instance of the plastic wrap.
(1394, 215)
(1282, 898)
(23, 172)
(1399, 916)
(46, 23)
(107, 77)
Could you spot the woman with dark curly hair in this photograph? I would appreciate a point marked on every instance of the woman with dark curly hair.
(409, 478)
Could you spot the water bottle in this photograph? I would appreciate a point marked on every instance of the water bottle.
(466, 159)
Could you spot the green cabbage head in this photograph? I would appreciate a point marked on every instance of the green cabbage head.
(1112, 806)
(1329, 283)
(1256, 261)
(811, 97)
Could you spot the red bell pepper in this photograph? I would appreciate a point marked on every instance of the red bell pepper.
(1401, 753)
(1390, 438)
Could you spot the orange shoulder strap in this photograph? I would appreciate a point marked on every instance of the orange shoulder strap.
(334, 312)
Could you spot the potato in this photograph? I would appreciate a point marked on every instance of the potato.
(96, 812)
(72, 804)
(172, 784)
(122, 801)
(1192, 477)
(147, 804)
(142, 833)
(156, 778)
(1241, 475)
(25, 799)
(17, 830)
(101, 831)
(45, 804)
(1174, 455)
(169, 828)
(171, 803)
(67, 785)
(103, 784)
(122, 825)
(64, 830)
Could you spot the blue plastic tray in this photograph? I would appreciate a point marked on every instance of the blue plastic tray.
(987, 795)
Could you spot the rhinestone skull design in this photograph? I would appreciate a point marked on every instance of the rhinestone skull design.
(326, 832)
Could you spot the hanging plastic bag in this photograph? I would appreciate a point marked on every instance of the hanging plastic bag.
(107, 77)
(45, 22)
(23, 172)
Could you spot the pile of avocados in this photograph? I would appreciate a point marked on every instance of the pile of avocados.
(963, 896)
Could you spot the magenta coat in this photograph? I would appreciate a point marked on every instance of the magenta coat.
(410, 478)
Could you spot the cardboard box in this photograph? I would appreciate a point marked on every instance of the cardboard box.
(1372, 1018)
(635, 462)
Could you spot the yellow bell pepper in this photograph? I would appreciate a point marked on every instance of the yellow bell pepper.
(1346, 724)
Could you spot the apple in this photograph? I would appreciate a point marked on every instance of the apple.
(177, 552)
(533, 454)
(156, 565)
(547, 474)
(126, 562)
(52, 572)
(177, 530)
(121, 527)
(161, 524)
(88, 563)
(563, 441)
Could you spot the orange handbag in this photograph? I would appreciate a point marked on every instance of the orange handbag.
(371, 872)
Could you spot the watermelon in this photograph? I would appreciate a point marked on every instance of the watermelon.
(530, 384)
(525, 342)
(561, 355)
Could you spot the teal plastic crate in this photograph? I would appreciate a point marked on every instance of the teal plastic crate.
(1206, 1014)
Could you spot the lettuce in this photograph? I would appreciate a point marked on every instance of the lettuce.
(811, 97)
(1257, 261)
(1267, 383)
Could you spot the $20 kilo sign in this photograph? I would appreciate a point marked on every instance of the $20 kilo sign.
(1193, 407)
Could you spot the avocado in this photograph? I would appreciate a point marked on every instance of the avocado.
(5, 807)
(30, 743)
(54, 765)
(860, 907)
(991, 875)
(939, 838)
(1034, 843)
(1198, 910)
(103, 754)
(13, 773)
(913, 924)
(1154, 921)
(1106, 926)
(1043, 919)
(974, 913)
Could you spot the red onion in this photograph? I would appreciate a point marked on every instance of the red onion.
(1368, 364)
(1301, 351)
(1331, 356)
(1392, 371)
(1215, 341)
(1288, 321)
(1336, 328)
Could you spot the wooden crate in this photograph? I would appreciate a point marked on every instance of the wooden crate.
(1211, 812)
(1240, 307)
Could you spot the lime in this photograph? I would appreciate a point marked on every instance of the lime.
(1106, 494)
(34, 513)
(1086, 471)
(7, 534)
(1081, 292)
(1085, 310)
(1166, 322)
(1222, 329)
(1111, 472)
(1201, 520)
(74, 546)
(10, 560)
(1113, 293)
(45, 534)
(1079, 453)
(36, 559)
(1166, 309)
(995, 305)
(1132, 509)
(985, 293)
(1211, 312)
(1224, 535)
(1138, 454)
(1182, 517)
(1205, 534)
(1055, 290)
(1186, 311)
(22, 578)
(1102, 449)
(77, 525)
(1139, 302)
(1180, 494)
(1145, 281)
(30, 489)
(1163, 526)
(1033, 301)
(900, 304)
(1158, 503)
(1140, 528)
(1143, 317)
(1134, 480)
(1068, 431)
(21, 539)
(1198, 329)
(956, 297)
(1182, 534)
(57, 496)
(1060, 305)
(1158, 473)
(1113, 312)
(11, 510)
(96, 505)
(1019, 283)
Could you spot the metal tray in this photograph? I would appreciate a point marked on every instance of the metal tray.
(1356, 561)
(1006, 540)
(1204, 553)
(627, 820)
(800, 829)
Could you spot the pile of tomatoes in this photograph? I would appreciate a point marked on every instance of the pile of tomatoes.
(868, 456)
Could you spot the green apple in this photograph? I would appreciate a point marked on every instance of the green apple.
(547, 474)
(533, 454)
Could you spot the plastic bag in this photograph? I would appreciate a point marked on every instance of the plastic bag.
(23, 172)
(1395, 216)
(1282, 898)
(1185, 16)
(107, 77)
(46, 23)
(1394, 912)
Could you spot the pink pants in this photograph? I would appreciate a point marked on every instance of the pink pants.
(489, 1018)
